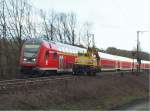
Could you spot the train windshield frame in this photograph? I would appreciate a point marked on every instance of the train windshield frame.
(31, 48)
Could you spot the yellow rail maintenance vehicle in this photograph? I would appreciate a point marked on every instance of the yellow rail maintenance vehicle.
(87, 63)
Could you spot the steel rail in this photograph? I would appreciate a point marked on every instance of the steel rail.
(16, 82)
(20, 82)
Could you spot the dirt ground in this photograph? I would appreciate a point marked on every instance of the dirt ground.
(102, 92)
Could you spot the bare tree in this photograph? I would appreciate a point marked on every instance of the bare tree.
(64, 27)
(59, 26)
(18, 20)
(52, 23)
(84, 34)
(58, 29)
(66, 24)
(45, 25)
(2, 36)
(15, 25)
(72, 25)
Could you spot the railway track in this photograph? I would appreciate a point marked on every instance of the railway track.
(6, 84)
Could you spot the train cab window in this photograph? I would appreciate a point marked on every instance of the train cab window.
(55, 55)
(46, 55)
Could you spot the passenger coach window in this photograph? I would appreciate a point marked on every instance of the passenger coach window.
(55, 55)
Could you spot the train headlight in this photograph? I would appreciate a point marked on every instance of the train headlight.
(24, 59)
(33, 60)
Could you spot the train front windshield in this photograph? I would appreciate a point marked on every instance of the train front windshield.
(31, 49)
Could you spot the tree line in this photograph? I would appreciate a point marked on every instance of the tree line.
(130, 54)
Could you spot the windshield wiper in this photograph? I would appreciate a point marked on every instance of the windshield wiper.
(34, 55)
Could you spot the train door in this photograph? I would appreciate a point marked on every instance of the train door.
(118, 65)
(46, 57)
(61, 62)
(65, 65)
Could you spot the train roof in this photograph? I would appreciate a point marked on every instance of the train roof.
(146, 62)
(69, 48)
(76, 49)
(114, 57)
(34, 40)
(107, 56)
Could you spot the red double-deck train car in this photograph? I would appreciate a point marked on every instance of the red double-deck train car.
(113, 62)
(43, 56)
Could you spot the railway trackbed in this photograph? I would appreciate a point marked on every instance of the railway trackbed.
(14, 83)
(9, 84)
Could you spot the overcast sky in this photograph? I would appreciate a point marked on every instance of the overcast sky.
(115, 22)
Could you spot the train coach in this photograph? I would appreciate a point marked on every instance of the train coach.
(46, 57)
(116, 63)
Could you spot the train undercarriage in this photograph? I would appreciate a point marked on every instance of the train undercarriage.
(84, 69)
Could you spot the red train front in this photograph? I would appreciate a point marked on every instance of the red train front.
(43, 56)
(35, 55)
